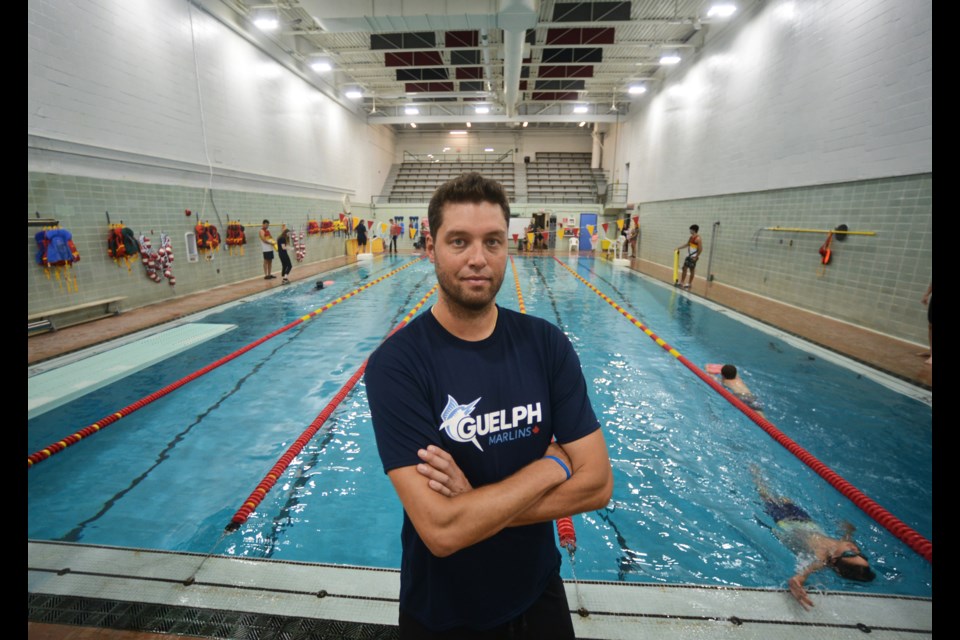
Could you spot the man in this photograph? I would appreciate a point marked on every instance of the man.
(266, 245)
(485, 429)
(732, 381)
(802, 535)
(394, 234)
(361, 237)
(632, 236)
(694, 246)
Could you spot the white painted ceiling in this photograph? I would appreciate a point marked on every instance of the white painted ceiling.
(525, 60)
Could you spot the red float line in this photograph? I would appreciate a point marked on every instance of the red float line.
(565, 531)
(895, 526)
(276, 472)
(102, 423)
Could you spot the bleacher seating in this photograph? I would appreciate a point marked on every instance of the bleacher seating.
(416, 181)
(556, 176)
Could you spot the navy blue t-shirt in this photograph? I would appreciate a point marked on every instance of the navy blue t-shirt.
(494, 405)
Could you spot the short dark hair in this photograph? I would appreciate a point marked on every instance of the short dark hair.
(467, 187)
(265, 221)
(728, 371)
(851, 571)
(695, 227)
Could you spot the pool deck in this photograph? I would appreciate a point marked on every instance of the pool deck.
(190, 595)
(78, 592)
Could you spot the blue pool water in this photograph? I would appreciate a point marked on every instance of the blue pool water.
(684, 511)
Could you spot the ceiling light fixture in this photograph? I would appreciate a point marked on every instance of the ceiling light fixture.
(580, 109)
(582, 124)
(321, 66)
(458, 133)
(413, 125)
(723, 10)
(354, 94)
(266, 20)
(411, 111)
(637, 88)
(669, 58)
(488, 149)
(469, 125)
(482, 110)
(525, 123)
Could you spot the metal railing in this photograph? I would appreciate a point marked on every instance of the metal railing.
(616, 194)
(428, 158)
(386, 198)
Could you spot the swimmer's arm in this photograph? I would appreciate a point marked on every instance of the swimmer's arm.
(847, 530)
(448, 524)
(589, 487)
(796, 583)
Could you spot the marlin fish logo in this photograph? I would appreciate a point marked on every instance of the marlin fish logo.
(457, 422)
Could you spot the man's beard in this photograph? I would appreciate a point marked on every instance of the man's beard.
(456, 293)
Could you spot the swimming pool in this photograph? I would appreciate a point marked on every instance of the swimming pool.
(172, 474)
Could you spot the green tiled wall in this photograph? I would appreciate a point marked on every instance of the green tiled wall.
(84, 206)
(874, 281)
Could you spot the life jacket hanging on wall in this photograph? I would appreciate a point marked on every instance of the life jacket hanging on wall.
(56, 250)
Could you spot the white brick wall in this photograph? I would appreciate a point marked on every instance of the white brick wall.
(122, 76)
(804, 93)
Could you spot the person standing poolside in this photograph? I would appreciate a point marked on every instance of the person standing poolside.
(267, 244)
(484, 427)
(361, 237)
(282, 241)
(394, 234)
(694, 247)
(797, 530)
(632, 234)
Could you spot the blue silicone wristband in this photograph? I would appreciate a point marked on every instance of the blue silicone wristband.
(562, 465)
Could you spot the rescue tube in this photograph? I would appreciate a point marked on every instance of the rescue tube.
(825, 252)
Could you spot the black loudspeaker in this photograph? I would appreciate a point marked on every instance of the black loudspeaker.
(526, 159)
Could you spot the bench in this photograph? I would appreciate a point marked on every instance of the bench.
(44, 320)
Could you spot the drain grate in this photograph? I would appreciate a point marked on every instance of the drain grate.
(210, 623)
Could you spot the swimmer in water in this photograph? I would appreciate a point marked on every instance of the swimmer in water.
(736, 385)
(797, 530)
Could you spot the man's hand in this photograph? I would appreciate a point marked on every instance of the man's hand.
(799, 593)
(445, 477)
(442, 473)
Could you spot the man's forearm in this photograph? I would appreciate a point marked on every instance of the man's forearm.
(585, 491)
(447, 525)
